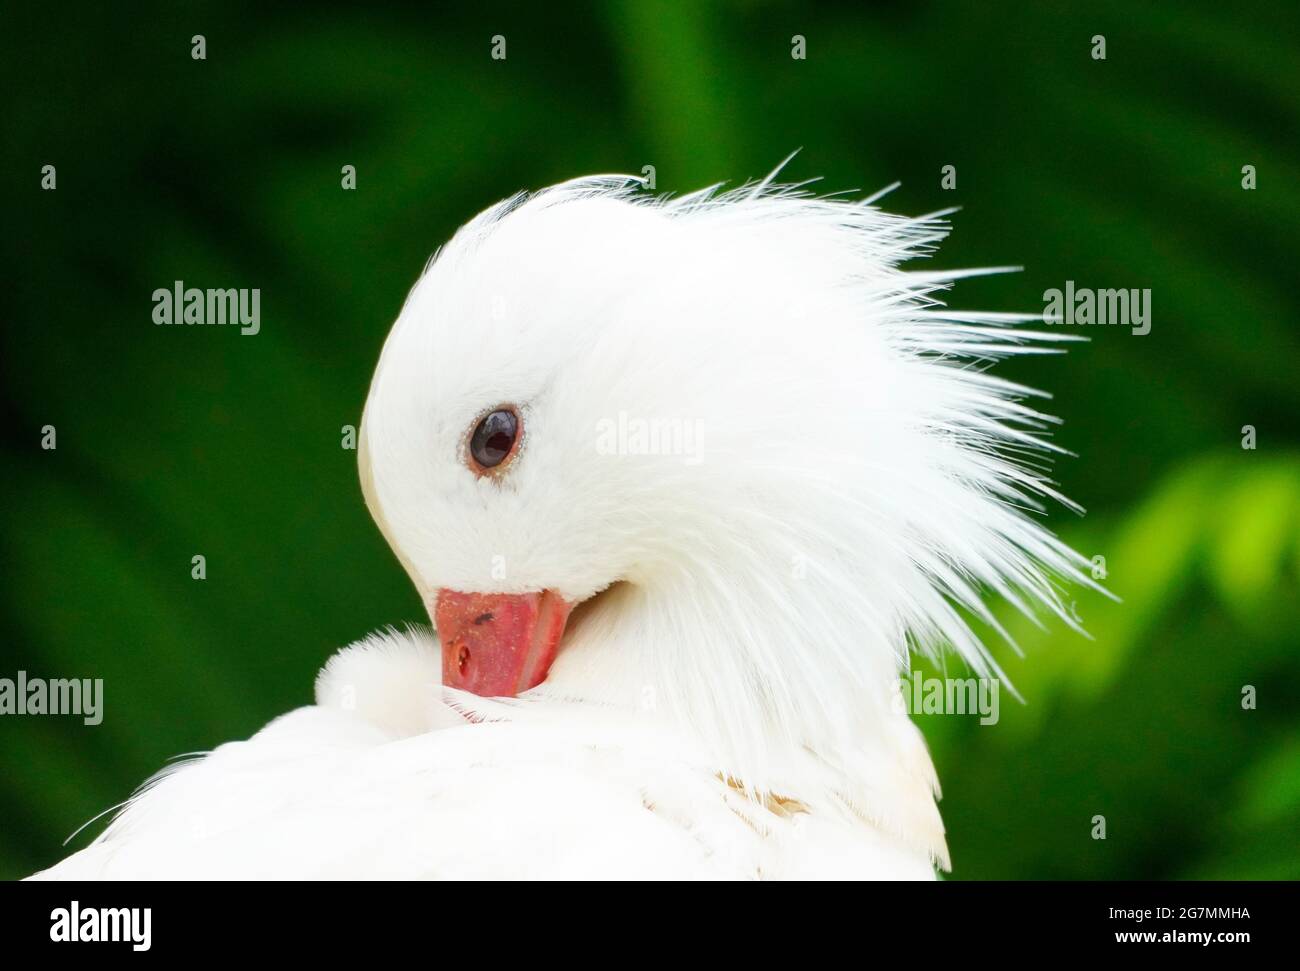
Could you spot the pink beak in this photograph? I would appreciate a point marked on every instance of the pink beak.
(498, 644)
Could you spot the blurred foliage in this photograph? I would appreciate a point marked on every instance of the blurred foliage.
(225, 172)
(1143, 722)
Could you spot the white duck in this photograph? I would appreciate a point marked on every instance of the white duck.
(749, 460)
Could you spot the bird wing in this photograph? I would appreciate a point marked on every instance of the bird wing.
(383, 779)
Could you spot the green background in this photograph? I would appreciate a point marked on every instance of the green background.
(226, 173)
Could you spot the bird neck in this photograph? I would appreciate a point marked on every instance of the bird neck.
(784, 694)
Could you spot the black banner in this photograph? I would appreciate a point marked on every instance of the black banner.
(970, 921)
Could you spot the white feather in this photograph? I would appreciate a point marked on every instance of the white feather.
(325, 793)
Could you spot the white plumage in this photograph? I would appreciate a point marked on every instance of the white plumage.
(720, 705)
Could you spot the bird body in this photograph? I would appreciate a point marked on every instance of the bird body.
(383, 780)
(671, 660)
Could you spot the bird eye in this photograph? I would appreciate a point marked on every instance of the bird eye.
(493, 440)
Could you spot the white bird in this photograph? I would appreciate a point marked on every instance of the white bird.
(683, 483)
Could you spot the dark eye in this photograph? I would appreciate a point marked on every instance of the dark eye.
(493, 439)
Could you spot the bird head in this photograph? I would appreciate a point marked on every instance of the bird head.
(717, 457)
